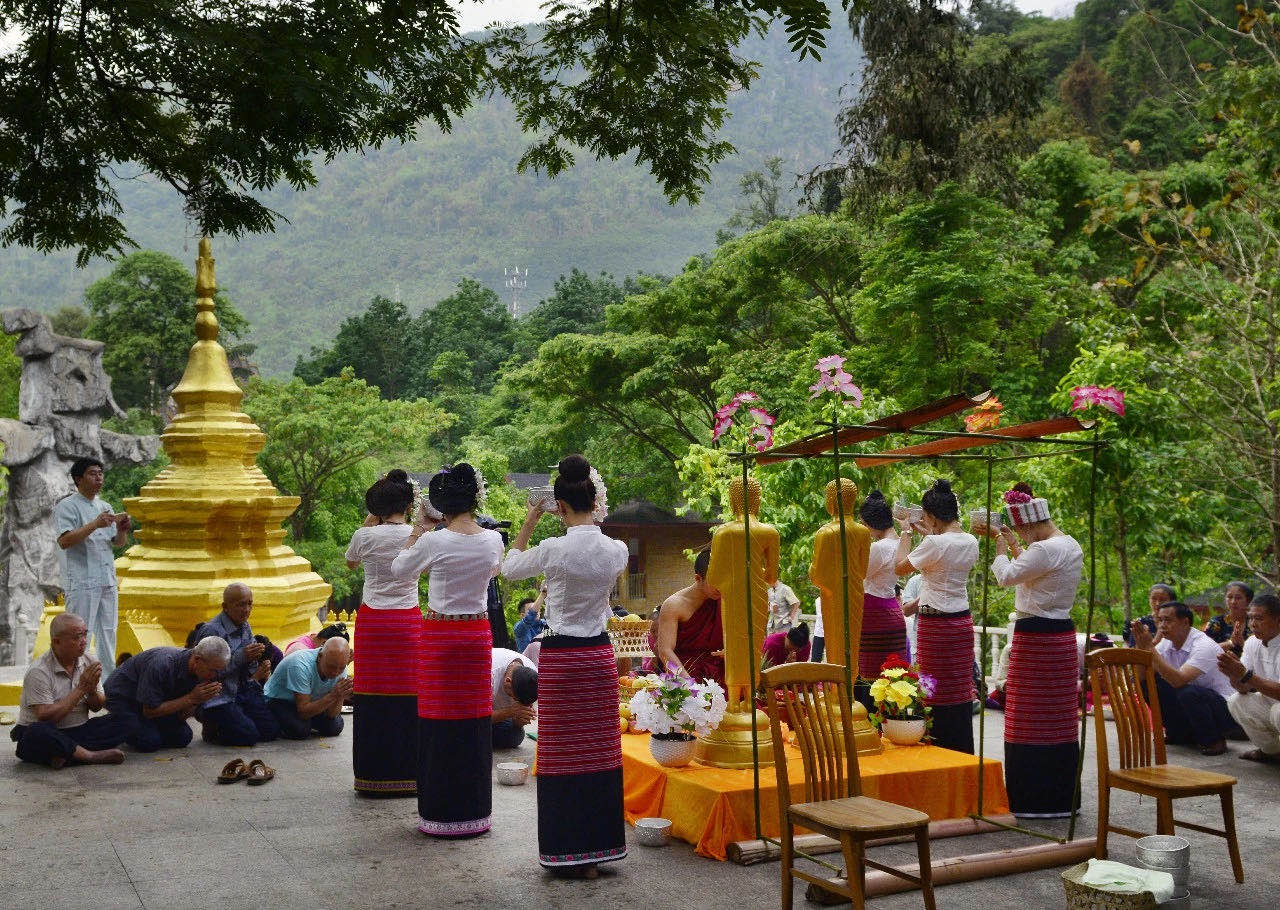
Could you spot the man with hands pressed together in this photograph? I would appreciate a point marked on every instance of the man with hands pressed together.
(307, 690)
(1255, 676)
(155, 691)
(1192, 690)
(58, 692)
(238, 715)
(87, 530)
(515, 689)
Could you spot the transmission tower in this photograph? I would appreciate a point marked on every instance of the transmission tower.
(516, 280)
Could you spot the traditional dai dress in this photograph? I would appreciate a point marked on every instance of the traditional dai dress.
(1041, 729)
(884, 629)
(388, 639)
(580, 819)
(455, 696)
(944, 633)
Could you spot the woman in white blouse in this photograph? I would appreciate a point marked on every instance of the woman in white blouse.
(389, 633)
(455, 698)
(1041, 735)
(944, 630)
(884, 629)
(580, 818)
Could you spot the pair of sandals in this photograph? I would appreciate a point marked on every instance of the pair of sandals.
(255, 772)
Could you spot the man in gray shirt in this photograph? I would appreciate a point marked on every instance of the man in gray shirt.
(87, 529)
(155, 691)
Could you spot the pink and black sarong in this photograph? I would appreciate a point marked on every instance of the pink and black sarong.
(1041, 725)
(455, 739)
(580, 818)
(884, 632)
(384, 747)
(944, 650)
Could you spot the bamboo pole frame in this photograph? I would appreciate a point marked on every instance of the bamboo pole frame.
(1064, 849)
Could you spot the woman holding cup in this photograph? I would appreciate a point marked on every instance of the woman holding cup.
(944, 636)
(1041, 744)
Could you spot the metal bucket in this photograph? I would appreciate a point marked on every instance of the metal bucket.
(1181, 877)
(1164, 851)
(1181, 900)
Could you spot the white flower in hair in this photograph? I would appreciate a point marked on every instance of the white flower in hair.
(482, 492)
(601, 509)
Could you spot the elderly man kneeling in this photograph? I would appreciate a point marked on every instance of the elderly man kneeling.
(307, 690)
(58, 692)
(154, 692)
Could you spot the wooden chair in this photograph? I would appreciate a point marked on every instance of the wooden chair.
(833, 802)
(1126, 674)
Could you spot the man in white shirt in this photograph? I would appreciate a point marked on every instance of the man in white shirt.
(515, 689)
(87, 529)
(1255, 675)
(1192, 690)
(784, 607)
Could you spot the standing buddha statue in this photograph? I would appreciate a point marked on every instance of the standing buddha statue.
(729, 745)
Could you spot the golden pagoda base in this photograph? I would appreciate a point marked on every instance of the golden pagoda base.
(865, 737)
(729, 745)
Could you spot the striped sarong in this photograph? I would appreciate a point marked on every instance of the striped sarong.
(1041, 728)
(384, 747)
(944, 650)
(884, 632)
(580, 818)
(455, 739)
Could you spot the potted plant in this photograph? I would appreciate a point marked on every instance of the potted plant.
(899, 694)
(676, 710)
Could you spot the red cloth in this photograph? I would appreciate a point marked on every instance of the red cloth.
(578, 731)
(455, 670)
(390, 643)
(1042, 697)
(944, 649)
(697, 637)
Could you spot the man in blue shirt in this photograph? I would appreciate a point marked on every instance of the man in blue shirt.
(87, 529)
(238, 715)
(531, 624)
(153, 693)
(307, 690)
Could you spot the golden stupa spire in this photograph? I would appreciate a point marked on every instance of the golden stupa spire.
(212, 517)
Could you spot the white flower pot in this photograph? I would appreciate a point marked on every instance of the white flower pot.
(673, 753)
(904, 732)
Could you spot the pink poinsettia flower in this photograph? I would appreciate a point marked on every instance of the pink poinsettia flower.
(1108, 397)
(765, 432)
(833, 378)
(829, 363)
(762, 416)
(726, 411)
(743, 397)
(1112, 399)
(721, 427)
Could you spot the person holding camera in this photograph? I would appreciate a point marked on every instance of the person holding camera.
(87, 531)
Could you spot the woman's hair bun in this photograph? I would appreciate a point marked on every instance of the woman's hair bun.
(876, 496)
(875, 511)
(574, 468)
(1023, 487)
(942, 485)
(397, 475)
(463, 474)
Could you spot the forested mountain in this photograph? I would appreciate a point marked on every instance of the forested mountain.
(410, 221)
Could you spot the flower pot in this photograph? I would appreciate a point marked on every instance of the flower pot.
(672, 750)
(904, 732)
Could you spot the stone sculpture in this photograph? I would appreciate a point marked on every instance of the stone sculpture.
(63, 397)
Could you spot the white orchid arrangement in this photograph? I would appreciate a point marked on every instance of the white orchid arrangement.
(673, 705)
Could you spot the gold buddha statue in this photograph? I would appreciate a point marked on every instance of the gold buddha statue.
(729, 745)
(827, 571)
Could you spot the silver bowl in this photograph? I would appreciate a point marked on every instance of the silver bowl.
(653, 832)
(512, 773)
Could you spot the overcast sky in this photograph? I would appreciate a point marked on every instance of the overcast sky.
(478, 15)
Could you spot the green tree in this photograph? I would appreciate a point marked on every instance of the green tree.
(145, 312)
(10, 376)
(378, 345)
(473, 322)
(70, 320)
(226, 99)
(316, 434)
(577, 305)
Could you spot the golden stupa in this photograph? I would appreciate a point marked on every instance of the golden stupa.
(213, 517)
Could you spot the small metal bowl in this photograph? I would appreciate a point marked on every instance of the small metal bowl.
(653, 832)
(513, 773)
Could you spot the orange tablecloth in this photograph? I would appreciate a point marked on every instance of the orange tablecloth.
(712, 807)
